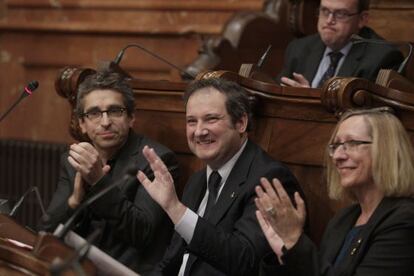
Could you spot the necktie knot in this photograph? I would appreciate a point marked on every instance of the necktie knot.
(335, 57)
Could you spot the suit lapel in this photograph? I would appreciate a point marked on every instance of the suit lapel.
(233, 185)
(363, 240)
(311, 66)
(352, 61)
(198, 189)
(340, 232)
(125, 157)
(228, 195)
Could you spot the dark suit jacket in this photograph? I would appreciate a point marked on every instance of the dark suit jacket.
(364, 60)
(230, 241)
(136, 230)
(386, 247)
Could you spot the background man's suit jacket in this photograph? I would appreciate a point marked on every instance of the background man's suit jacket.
(135, 230)
(364, 60)
(230, 241)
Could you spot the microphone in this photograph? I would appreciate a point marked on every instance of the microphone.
(79, 254)
(130, 174)
(356, 39)
(121, 54)
(34, 189)
(27, 91)
(264, 56)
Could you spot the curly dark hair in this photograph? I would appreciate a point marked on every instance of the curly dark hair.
(105, 79)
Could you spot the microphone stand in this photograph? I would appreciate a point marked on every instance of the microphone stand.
(121, 54)
(129, 175)
(28, 90)
(58, 267)
(22, 198)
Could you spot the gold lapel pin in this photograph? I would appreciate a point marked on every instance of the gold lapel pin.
(356, 247)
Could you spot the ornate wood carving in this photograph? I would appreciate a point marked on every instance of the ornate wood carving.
(246, 36)
(340, 94)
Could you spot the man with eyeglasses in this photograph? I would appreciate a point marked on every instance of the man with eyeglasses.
(134, 229)
(312, 60)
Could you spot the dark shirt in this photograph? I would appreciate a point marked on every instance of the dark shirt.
(350, 239)
(135, 230)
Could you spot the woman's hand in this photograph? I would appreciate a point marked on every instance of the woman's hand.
(277, 210)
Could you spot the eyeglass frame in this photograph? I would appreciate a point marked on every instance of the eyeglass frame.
(109, 113)
(343, 14)
(347, 146)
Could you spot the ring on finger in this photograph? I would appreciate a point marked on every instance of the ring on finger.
(270, 211)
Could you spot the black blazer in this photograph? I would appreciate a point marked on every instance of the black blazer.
(230, 241)
(135, 230)
(385, 245)
(363, 61)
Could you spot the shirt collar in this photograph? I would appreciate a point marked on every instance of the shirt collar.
(345, 50)
(225, 170)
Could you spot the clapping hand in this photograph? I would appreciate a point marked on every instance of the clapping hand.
(85, 159)
(298, 80)
(161, 189)
(280, 221)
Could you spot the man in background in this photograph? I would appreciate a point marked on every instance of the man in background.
(312, 60)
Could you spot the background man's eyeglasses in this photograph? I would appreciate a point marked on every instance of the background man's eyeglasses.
(340, 15)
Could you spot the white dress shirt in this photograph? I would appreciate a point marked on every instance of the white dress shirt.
(186, 226)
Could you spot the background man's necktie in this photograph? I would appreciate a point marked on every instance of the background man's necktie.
(330, 72)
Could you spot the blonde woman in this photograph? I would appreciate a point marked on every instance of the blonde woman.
(370, 161)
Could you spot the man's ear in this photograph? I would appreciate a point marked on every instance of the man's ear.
(241, 125)
(363, 19)
(81, 122)
(131, 120)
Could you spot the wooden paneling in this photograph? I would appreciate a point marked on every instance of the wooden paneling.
(394, 23)
(39, 37)
(391, 4)
(156, 17)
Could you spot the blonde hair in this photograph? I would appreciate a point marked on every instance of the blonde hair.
(392, 155)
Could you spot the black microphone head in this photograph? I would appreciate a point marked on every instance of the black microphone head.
(118, 58)
(28, 90)
(264, 56)
(131, 170)
(33, 85)
(45, 219)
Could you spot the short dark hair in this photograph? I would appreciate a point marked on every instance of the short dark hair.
(363, 5)
(105, 79)
(237, 99)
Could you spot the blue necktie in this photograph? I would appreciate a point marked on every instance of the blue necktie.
(330, 72)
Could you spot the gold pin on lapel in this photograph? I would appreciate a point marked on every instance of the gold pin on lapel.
(356, 247)
(233, 194)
